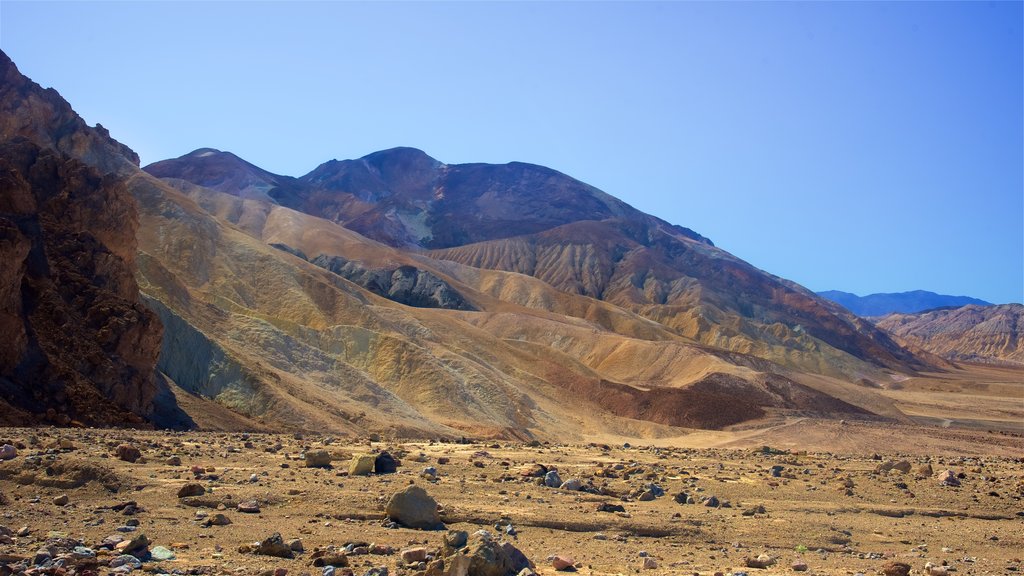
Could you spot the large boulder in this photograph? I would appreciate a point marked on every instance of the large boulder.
(414, 508)
(361, 465)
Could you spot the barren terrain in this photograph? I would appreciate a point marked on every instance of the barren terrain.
(827, 502)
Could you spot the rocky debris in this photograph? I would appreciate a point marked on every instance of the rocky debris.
(552, 479)
(563, 563)
(429, 473)
(755, 510)
(191, 489)
(896, 569)
(607, 507)
(572, 484)
(414, 555)
(8, 452)
(935, 569)
(334, 558)
(318, 459)
(136, 546)
(249, 507)
(925, 470)
(414, 508)
(217, 519)
(273, 545)
(949, 478)
(480, 554)
(649, 563)
(128, 453)
(683, 498)
(361, 465)
(533, 471)
(762, 561)
(385, 463)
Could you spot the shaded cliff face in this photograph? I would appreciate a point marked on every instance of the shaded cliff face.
(972, 333)
(82, 343)
(78, 345)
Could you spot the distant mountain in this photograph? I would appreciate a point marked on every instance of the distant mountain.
(902, 302)
(970, 333)
(393, 293)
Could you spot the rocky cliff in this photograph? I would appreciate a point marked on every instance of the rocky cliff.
(971, 333)
(79, 345)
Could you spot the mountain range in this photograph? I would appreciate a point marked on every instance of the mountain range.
(391, 293)
(897, 302)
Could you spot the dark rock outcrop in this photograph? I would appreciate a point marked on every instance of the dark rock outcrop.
(81, 343)
(78, 344)
(406, 284)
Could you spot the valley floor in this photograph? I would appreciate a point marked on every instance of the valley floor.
(834, 511)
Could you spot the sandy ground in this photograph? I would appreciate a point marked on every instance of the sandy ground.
(830, 510)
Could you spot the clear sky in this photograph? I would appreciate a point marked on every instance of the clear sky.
(858, 146)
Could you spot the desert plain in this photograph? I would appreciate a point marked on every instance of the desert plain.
(819, 496)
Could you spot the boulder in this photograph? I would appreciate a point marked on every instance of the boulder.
(191, 489)
(385, 463)
(275, 546)
(318, 459)
(896, 569)
(361, 465)
(128, 453)
(414, 508)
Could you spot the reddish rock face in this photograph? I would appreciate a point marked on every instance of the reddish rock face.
(77, 342)
(83, 345)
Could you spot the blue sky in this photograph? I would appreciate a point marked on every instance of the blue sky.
(859, 146)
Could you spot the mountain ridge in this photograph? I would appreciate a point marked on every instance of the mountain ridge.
(910, 302)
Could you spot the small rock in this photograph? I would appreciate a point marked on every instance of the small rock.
(430, 473)
(925, 470)
(318, 459)
(249, 507)
(949, 478)
(563, 562)
(607, 507)
(8, 452)
(218, 520)
(935, 569)
(128, 453)
(650, 563)
(799, 566)
(896, 569)
(573, 484)
(191, 489)
(159, 553)
(552, 480)
(61, 500)
(275, 546)
(413, 555)
(711, 502)
(762, 561)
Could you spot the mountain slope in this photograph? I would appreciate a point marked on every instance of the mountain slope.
(969, 333)
(532, 220)
(898, 302)
(78, 343)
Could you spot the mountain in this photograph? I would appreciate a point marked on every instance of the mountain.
(78, 343)
(533, 220)
(900, 302)
(969, 333)
(401, 295)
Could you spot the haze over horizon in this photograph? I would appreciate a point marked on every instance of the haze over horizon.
(857, 147)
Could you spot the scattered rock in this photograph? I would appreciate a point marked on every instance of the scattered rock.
(552, 480)
(799, 567)
(935, 569)
(414, 555)
(925, 470)
(160, 554)
(318, 459)
(573, 484)
(414, 508)
(385, 463)
(275, 546)
(217, 520)
(249, 507)
(563, 563)
(607, 507)
(8, 452)
(948, 478)
(361, 465)
(896, 569)
(762, 561)
(649, 563)
(191, 489)
(128, 453)
(61, 500)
